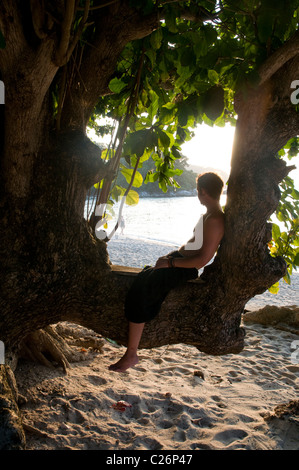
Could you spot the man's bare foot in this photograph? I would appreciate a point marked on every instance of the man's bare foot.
(127, 361)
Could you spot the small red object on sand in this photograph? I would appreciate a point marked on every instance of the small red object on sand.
(121, 405)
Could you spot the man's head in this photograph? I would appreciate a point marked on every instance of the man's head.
(211, 183)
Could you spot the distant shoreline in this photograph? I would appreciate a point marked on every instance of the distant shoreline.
(177, 193)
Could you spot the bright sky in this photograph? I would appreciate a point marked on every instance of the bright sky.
(212, 147)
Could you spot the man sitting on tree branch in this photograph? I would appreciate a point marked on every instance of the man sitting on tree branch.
(152, 284)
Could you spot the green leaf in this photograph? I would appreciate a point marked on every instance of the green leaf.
(172, 172)
(281, 216)
(176, 152)
(151, 177)
(184, 74)
(154, 106)
(213, 76)
(274, 289)
(107, 154)
(275, 232)
(132, 198)
(163, 185)
(287, 278)
(137, 142)
(117, 192)
(128, 172)
(170, 20)
(188, 57)
(151, 54)
(116, 85)
(156, 38)
(295, 194)
(213, 102)
(164, 139)
(210, 33)
(200, 45)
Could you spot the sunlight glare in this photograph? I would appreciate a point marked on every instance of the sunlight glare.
(211, 147)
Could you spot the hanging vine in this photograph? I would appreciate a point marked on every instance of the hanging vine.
(97, 218)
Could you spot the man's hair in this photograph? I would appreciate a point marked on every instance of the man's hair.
(211, 183)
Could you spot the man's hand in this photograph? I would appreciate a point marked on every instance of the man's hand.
(162, 263)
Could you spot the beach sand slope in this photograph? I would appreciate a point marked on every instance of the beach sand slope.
(175, 399)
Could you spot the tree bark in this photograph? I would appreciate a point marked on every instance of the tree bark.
(12, 435)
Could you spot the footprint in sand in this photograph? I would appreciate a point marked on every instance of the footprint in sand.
(95, 380)
(179, 436)
(164, 424)
(219, 401)
(230, 435)
(75, 416)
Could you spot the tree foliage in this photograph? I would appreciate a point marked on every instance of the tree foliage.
(285, 233)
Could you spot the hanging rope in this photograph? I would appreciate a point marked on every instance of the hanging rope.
(102, 234)
(100, 210)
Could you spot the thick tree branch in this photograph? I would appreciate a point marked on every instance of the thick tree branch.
(13, 33)
(79, 30)
(67, 42)
(18, 59)
(38, 14)
(268, 112)
(86, 157)
(102, 5)
(280, 57)
(66, 27)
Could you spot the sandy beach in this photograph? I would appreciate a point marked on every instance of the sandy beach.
(176, 398)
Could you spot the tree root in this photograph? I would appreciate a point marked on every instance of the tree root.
(31, 429)
(12, 435)
(60, 345)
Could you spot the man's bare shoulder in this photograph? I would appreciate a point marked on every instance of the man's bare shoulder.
(215, 218)
(214, 224)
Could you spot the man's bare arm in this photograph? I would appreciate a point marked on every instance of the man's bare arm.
(213, 232)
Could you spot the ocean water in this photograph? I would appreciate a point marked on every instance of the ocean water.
(166, 219)
(169, 220)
